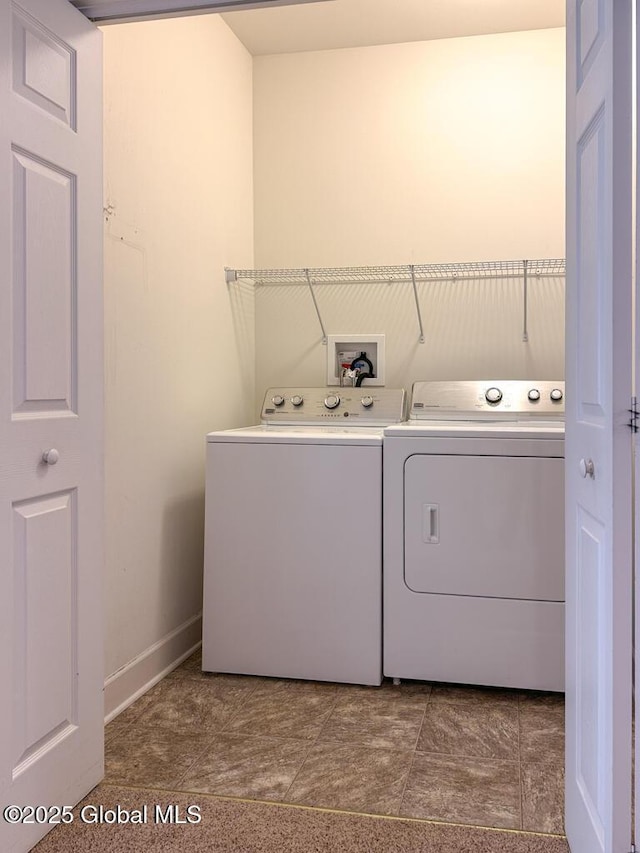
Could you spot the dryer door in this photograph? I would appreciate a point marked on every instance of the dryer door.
(490, 526)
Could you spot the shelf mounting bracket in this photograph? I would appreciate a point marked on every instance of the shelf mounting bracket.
(525, 296)
(415, 296)
(315, 305)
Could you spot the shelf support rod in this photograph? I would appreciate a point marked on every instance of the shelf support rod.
(315, 305)
(415, 296)
(525, 271)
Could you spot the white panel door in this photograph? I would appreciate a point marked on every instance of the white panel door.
(51, 380)
(598, 444)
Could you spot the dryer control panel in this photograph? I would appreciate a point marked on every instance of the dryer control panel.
(342, 407)
(490, 399)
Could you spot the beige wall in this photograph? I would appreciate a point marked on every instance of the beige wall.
(425, 152)
(437, 151)
(179, 347)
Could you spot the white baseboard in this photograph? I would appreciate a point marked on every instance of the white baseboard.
(136, 677)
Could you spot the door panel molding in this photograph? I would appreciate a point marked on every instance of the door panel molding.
(44, 68)
(44, 287)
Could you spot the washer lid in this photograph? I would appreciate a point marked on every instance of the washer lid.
(266, 434)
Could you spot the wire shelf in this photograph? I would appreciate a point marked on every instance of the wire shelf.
(402, 273)
(523, 270)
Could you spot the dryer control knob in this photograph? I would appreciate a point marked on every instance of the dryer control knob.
(332, 401)
(367, 402)
(556, 395)
(493, 395)
(297, 400)
(533, 395)
(278, 400)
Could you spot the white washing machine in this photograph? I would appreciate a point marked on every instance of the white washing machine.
(293, 537)
(474, 535)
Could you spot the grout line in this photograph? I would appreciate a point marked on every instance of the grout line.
(520, 767)
(317, 738)
(284, 801)
(200, 755)
(240, 705)
(415, 750)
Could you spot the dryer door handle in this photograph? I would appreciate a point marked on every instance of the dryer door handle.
(431, 524)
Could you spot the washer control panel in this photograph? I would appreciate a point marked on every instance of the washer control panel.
(341, 406)
(508, 399)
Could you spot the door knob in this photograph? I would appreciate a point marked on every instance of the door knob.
(587, 468)
(50, 457)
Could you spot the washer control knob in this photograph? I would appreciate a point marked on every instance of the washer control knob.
(493, 395)
(297, 400)
(556, 395)
(533, 395)
(367, 402)
(277, 400)
(332, 401)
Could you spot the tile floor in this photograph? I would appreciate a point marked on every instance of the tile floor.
(465, 755)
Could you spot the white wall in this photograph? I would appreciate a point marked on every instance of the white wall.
(425, 152)
(179, 346)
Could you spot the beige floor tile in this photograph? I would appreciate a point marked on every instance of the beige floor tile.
(286, 711)
(541, 733)
(135, 710)
(191, 669)
(419, 690)
(543, 796)
(480, 730)
(410, 688)
(239, 766)
(193, 662)
(383, 721)
(183, 705)
(460, 694)
(478, 791)
(352, 778)
(254, 737)
(270, 686)
(128, 717)
(144, 755)
(116, 728)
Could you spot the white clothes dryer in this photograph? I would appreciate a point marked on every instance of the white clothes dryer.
(293, 537)
(474, 535)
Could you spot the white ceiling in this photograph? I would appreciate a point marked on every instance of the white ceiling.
(356, 23)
